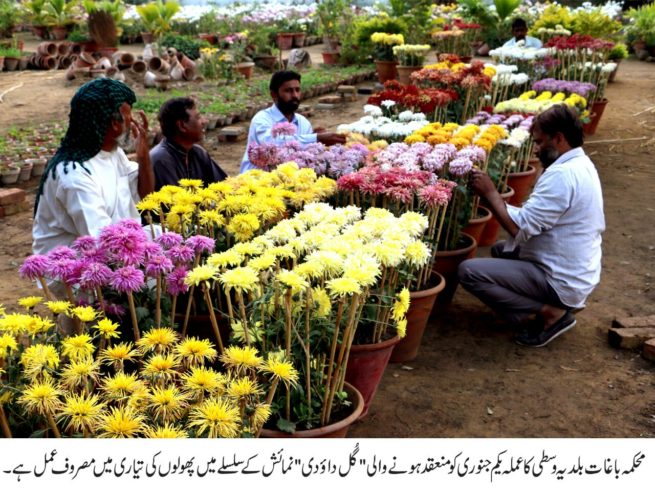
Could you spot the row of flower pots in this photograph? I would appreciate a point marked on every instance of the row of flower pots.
(13, 173)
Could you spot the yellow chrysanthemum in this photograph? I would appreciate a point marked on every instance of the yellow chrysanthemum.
(166, 431)
(29, 302)
(194, 351)
(262, 263)
(240, 279)
(280, 368)
(160, 367)
(243, 388)
(80, 412)
(118, 354)
(401, 305)
(41, 397)
(343, 287)
(38, 359)
(199, 380)
(167, 403)
(157, 339)
(107, 328)
(58, 306)
(8, 345)
(211, 217)
(401, 327)
(77, 347)
(417, 253)
(241, 358)
(260, 415)
(85, 313)
(243, 226)
(191, 183)
(227, 259)
(199, 274)
(322, 301)
(254, 332)
(80, 372)
(292, 280)
(37, 325)
(121, 422)
(148, 204)
(363, 268)
(120, 386)
(214, 418)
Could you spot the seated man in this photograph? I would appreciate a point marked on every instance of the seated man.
(552, 261)
(520, 33)
(90, 183)
(179, 154)
(285, 91)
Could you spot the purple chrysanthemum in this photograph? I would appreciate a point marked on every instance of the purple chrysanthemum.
(151, 249)
(124, 243)
(158, 265)
(34, 267)
(127, 279)
(169, 240)
(181, 254)
(95, 275)
(175, 281)
(62, 252)
(85, 244)
(460, 167)
(66, 270)
(201, 244)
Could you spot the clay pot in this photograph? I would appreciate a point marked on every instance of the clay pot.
(44, 62)
(139, 67)
(76, 48)
(420, 308)
(613, 74)
(147, 38)
(11, 63)
(330, 58)
(245, 69)
(64, 63)
(476, 225)
(366, 365)
(159, 65)
(25, 172)
(405, 71)
(47, 48)
(38, 165)
(522, 183)
(59, 32)
(177, 71)
(9, 176)
(387, 71)
(23, 63)
(103, 63)
(284, 41)
(162, 82)
(446, 264)
(186, 62)
(298, 40)
(124, 59)
(64, 49)
(492, 228)
(338, 429)
(189, 74)
(597, 109)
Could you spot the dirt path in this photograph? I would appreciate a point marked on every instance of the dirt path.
(470, 379)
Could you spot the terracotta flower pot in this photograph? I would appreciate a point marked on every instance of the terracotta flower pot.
(298, 40)
(59, 32)
(9, 176)
(139, 67)
(420, 308)
(245, 69)
(38, 165)
(387, 71)
(330, 58)
(404, 71)
(284, 41)
(447, 262)
(338, 429)
(522, 183)
(47, 48)
(159, 65)
(25, 172)
(491, 230)
(147, 38)
(476, 225)
(11, 63)
(612, 76)
(266, 61)
(366, 365)
(597, 109)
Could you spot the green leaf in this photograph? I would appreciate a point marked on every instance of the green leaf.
(286, 425)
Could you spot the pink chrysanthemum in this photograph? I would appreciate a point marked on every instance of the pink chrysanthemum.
(95, 275)
(283, 129)
(127, 279)
(34, 267)
(201, 244)
(181, 254)
(85, 244)
(62, 252)
(151, 249)
(158, 265)
(175, 281)
(66, 270)
(169, 240)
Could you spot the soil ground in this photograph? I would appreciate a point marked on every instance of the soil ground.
(470, 379)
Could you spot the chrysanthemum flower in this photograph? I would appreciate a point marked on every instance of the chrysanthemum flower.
(80, 411)
(77, 347)
(227, 259)
(127, 279)
(402, 328)
(121, 422)
(175, 281)
(279, 368)
(118, 354)
(58, 306)
(417, 253)
(401, 305)
(95, 275)
(167, 403)
(215, 417)
(166, 431)
(79, 372)
(36, 325)
(34, 267)
(292, 280)
(84, 313)
(194, 351)
(199, 380)
(322, 301)
(160, 367)
(243, 226)
(169, 240)
(240, 279)
(158, 339)
(241, 358)
(41, 397)
(37, 359)
(343, 287)
(120, 386)
(107, 328)
(29, 302)
(243, 388)
(199, 274)
(364, 269)
(262, 263)
(201, 244)
(158, 265)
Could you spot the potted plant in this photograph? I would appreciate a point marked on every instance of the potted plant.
(10, 57)
(36, 14)
(238, 48)
(330, 25)
(9, 17)
(385, 61)
(642, 27)
(157, 17)
(411, 59)
(9, 173)
(209, 26)
(61, 16)
(264, 48)
(616, 55)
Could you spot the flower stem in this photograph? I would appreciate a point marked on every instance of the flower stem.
(4, 423)
(135, 325)
(158, 302)
(244, 319)
(188, 310)
(53, 425)
(212, 317)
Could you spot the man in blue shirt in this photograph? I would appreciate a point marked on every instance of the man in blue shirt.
(285, 91)
(521, 38)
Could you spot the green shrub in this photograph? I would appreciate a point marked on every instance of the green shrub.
(619, 52)
(594, 23)
(184, 44)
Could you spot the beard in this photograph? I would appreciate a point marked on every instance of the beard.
(548, 156)
(288, 107)
(126, 141)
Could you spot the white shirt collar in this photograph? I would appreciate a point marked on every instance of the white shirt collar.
(569, 155)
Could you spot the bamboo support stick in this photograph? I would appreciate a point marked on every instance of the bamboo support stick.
(135, 325)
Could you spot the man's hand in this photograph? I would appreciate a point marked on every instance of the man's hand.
(330, 138)
(481, 184)
(140, 134)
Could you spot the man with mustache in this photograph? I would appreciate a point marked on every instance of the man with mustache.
(90, 183)
(285, 91)
(552, 260)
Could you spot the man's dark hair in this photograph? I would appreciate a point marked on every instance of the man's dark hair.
(281, 77)
(518, 22)
(171, 112)
(560, 118)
